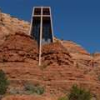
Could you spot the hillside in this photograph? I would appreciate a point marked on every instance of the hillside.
(64, 63)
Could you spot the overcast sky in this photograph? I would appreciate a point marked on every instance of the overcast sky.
(76, 20)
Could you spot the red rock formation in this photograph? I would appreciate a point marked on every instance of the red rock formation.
(19, 59)
(18, 48)
(11, 25)
(72, 47)
(64, 63)
(81, 57)
(56, 53)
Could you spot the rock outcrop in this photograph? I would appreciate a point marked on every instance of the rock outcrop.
(18, 48)
(11, 25)
(64, 63)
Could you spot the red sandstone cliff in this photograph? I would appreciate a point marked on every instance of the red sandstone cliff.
(11, 25)
(64, 63)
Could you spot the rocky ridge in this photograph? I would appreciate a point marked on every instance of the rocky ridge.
(11, 25)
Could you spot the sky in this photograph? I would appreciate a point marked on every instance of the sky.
(75, 20)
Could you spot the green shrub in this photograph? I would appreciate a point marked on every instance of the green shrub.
(79, 94)
(3, 83)
(31, 89)
(14, 91)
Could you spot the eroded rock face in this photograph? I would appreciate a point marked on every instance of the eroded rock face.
(19, 60)
(81, 57)
(56, 53)
(72, 47)
(11, 25)
(18, 48)
(96, 57)
(64, 63)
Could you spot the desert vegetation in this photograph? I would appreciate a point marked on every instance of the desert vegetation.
(77, 93)
(3, 83)
(34, 89)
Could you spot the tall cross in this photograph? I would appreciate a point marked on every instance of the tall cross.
(41, 27)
